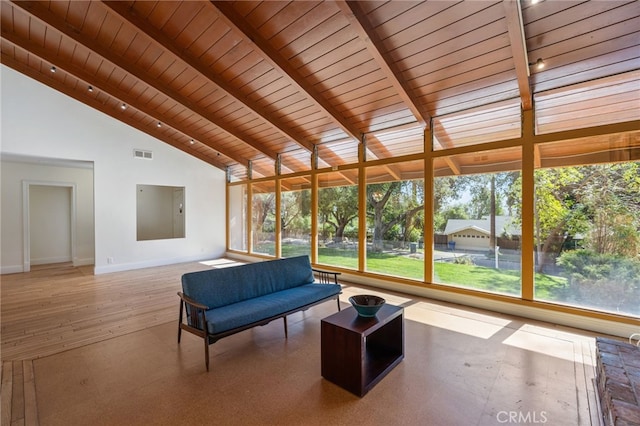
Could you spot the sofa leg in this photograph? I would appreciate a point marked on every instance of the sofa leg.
(338, 299)
(180, 321)
(286, 332)
(206, 352)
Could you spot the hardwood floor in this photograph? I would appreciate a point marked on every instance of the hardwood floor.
(85, 349)
(59, 307)
(18, 394)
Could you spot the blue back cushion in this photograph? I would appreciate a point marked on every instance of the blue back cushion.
(219, 287)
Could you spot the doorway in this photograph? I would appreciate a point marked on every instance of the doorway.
(49, 223)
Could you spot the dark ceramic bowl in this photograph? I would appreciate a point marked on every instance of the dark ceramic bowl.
(367, 305)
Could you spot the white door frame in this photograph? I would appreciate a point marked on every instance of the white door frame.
(26, 232)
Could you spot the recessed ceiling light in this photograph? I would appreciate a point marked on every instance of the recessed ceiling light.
(159, 124)
(90, 89)
(123, 107)
(538, 64)
(53, 69)
(191, 141)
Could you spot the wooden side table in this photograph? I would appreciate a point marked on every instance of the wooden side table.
(357, 352)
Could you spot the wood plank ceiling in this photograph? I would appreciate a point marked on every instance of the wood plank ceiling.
(263, 84)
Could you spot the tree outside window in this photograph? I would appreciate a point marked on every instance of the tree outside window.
(587, 231)
(295, 216)
(338, 219)
(263, 218)
(395, 220)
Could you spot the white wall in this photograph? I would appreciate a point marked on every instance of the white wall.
(40, 122)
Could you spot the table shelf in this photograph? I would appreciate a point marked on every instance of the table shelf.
(358, 352)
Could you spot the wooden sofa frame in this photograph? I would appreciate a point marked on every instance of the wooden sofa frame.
(199, 326)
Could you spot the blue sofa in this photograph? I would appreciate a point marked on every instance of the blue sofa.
(222, 302)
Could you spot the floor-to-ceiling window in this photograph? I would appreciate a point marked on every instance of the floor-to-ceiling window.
(587, 228)
(576, 198)
(587, 198)
(295, 216)
(263, 218)
(338, 219)
(237, 220)
(395, 219)
(476, 220)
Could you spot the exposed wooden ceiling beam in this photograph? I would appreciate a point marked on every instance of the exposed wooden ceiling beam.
(359, 22)
(394, 171)
(166, 44)
(109, 89)
(253, 37)
(44, 15)
(377, 148)
(350, 176)
(453, 165)
(513, 14)
(537, 160)
(445, 142)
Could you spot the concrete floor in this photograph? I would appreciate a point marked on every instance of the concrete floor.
(462, 366)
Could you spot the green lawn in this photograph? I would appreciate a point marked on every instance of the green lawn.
(548, 287)
(477, 277)
(502, 281)
(498, 280)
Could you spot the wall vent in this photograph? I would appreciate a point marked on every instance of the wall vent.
(144, 155)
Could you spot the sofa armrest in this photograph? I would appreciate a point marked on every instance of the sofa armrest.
(189, 301)
(195, 312)
(326, 277)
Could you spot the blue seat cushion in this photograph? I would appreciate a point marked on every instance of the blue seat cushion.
(219, 287)
(248, 311)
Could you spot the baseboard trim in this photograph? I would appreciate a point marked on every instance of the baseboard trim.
(121, 267)
(12, 269)
(84, 262)
(49, 260)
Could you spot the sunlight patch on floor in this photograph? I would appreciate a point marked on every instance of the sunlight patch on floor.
(477, 327)
(221, 263)
(533, 338)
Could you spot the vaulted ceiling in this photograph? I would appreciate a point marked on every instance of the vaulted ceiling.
(262, 85)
